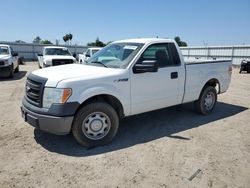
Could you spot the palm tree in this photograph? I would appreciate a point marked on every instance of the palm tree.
(65, 38)
(70, 37)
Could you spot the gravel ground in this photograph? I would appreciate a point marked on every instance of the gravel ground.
(173, 147)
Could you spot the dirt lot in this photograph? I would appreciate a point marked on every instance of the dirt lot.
(158, 149)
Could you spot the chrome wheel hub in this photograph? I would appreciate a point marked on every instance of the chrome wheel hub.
(209, 101)
(96, 125)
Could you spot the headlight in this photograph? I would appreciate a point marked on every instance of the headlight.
(6, 62)
(55, 95)
(48, 62)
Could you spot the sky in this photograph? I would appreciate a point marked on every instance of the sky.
(197, 22)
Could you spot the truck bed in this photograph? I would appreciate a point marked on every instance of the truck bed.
(199, 71)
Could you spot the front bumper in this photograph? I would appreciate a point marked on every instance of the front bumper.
(5, 70)
(52, 124)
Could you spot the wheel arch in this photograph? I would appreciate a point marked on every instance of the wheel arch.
(214, 82)
(110, 99)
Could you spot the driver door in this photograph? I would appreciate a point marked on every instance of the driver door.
(155, 90)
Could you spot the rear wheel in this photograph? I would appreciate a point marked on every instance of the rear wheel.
(95, 124)
(207, 100)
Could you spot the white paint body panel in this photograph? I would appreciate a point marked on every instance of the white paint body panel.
(142, 92)
(9, 58)
(83, 57)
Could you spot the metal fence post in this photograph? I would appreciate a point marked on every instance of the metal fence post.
(34, 54)
(232, 56)
(208, 52)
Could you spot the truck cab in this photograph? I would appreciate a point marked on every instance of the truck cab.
(89, 53)
(54, 56)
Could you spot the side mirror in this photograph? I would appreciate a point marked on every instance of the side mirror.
(74, 55)
(14, 54)
(145, 66)
(39, 54)
(87, 55)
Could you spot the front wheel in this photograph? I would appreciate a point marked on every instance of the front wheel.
(17, 69)
(95, 124)
(207, 100)
(11, 75)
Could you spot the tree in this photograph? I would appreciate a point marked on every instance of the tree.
(67, 37)
(70, 36)
(20, 41)
(46, 42)
(179, 41)
(97, 43)
(37, 40)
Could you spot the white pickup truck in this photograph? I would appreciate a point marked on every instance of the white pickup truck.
(89, 53)
(55, 55)
(125, 78)
(8, 61)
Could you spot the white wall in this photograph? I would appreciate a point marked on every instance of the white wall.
(29, 51)
(236, 53)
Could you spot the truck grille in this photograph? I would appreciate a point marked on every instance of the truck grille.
(34, 91)
(56, 62)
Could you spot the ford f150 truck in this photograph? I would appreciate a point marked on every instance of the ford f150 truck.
(8, 61)
(125, 78)
(90, 52)
(55, 55)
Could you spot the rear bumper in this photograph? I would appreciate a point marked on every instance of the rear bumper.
(52, 124)
(5, 70)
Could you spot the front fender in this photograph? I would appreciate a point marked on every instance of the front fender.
(106, 90)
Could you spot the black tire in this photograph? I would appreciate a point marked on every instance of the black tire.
(17, 69)
(201, 105)
(11, 75)
(83, 124)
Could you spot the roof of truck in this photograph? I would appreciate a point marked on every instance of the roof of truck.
(144, 40)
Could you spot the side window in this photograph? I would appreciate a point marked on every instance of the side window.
(88, 53)
(165, 54)
(11, 51)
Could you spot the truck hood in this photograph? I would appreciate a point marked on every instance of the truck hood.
(4, 57)
(50, 57)
(58, 73)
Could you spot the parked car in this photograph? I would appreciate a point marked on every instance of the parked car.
(245, 66)
(8, 61)
(89, 53)
(125, 78)
(55, 55)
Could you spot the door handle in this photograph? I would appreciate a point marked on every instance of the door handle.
(174, 75)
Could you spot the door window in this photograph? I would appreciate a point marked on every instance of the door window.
(88, 53)
(165, 54)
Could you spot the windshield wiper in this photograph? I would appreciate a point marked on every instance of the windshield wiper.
(98, 62)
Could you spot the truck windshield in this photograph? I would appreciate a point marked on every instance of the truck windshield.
(4, 50)
(94, 51)
(115, 55)
(57, 51)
